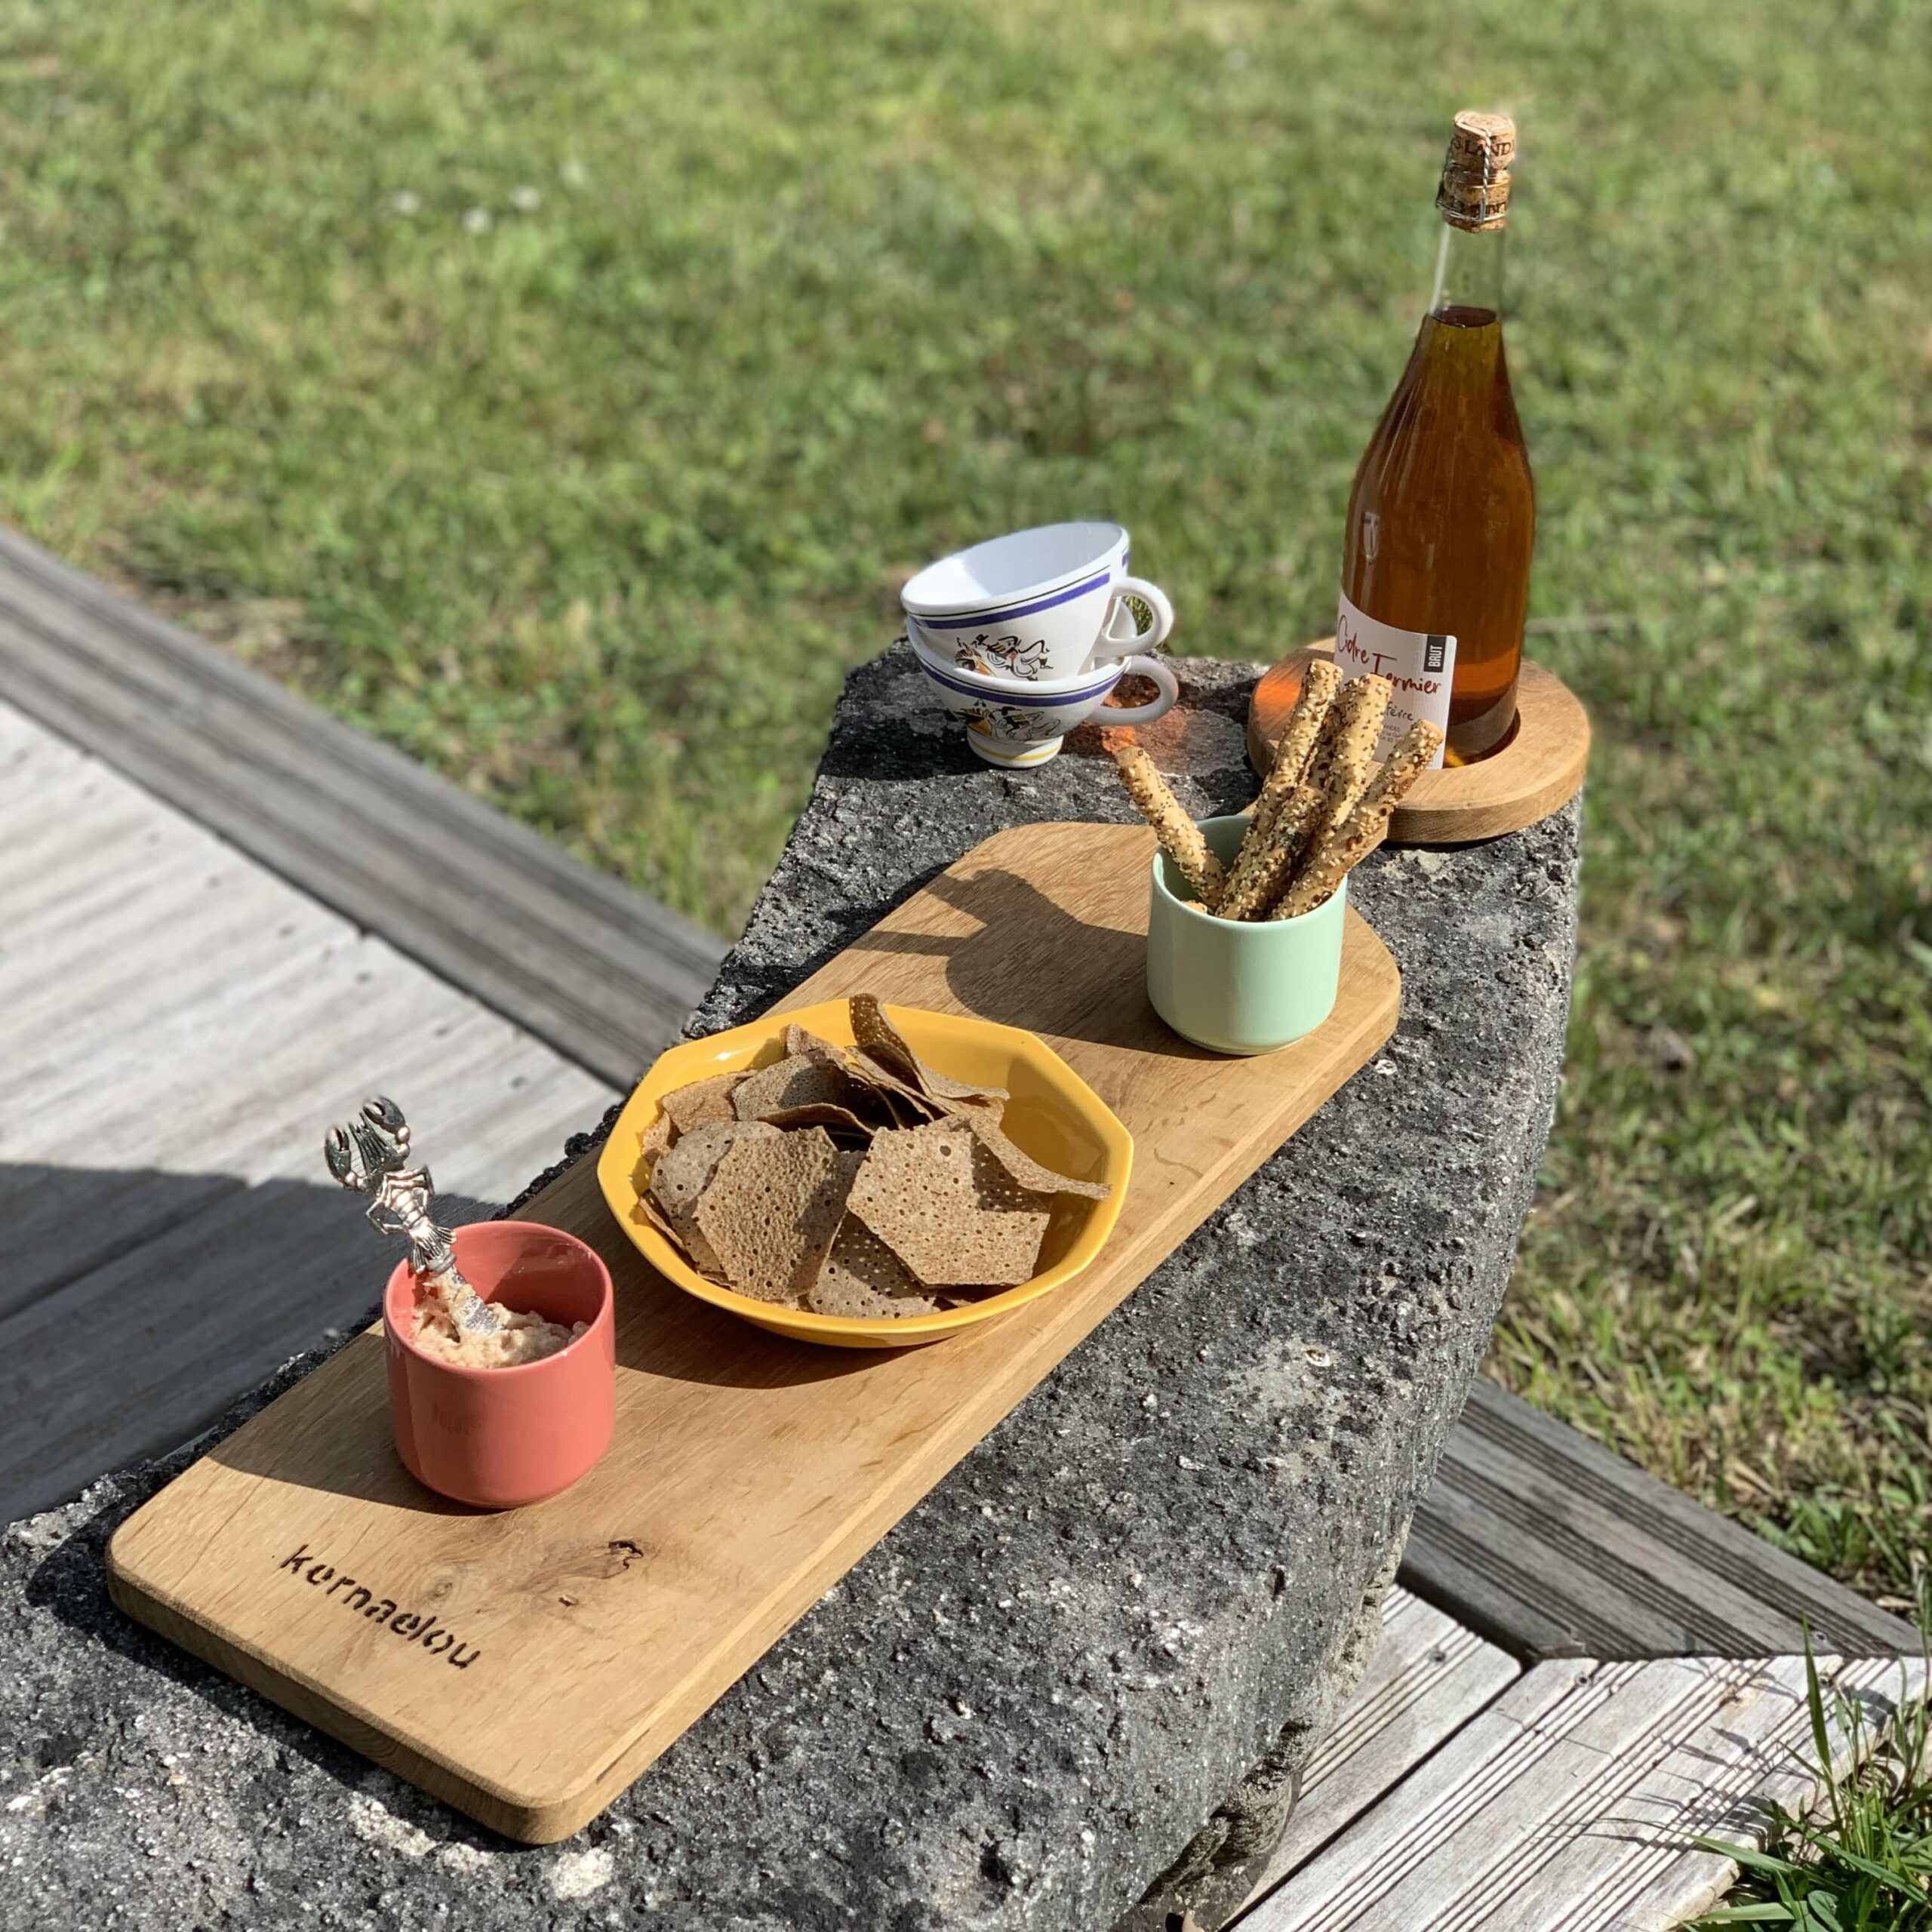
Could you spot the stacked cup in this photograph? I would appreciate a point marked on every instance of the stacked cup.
(1024, 637)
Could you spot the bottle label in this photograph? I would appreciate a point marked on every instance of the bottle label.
(1420, 664)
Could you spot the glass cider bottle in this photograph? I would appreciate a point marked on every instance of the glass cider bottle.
(1435, 567)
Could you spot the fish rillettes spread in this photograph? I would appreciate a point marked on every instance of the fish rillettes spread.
(521, 1337)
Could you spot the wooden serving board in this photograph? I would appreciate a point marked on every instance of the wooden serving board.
(1538, 771)
(747, 1473)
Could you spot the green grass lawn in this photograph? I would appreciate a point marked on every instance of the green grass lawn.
(561, 392)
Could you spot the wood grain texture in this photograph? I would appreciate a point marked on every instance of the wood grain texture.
(1537, 772)
(748, 1472)
(1550, 1545)
(602, 974)
(178, 1026)
(1427, 1678)
(1570, 1805)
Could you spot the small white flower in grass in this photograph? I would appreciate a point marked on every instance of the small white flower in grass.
(526, 200)
(477, 221)
(405, 201)
(573, 173)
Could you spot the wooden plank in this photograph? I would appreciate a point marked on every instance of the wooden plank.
(603, 974)
(102, 1062)
(1569, 1804)
(226, 943)
(86, 908)
(748, 1472)
(555, 976)
(61, 805)
(131, 890)
(1427, 1678)
(208, 1078)
(258, 1118)
(1551, 1546)
(115, 960)
(108, 858)
(53, 814)
(199, 1038)
(186, 989)
(21, 743)
(142, 684)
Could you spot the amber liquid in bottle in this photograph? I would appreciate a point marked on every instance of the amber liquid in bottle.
(1442, 517)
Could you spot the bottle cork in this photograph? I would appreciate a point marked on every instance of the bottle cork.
(1474, 193)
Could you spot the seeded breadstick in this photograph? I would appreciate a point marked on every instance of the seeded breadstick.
(1345, 757)
(1179, 836)
(1267, 857)
(1292, 749)
(1359, 834)
(1345, 754)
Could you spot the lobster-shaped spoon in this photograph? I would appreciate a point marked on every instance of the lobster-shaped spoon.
(370, 1155)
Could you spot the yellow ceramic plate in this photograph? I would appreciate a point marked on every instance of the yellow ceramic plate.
(1052, 1114)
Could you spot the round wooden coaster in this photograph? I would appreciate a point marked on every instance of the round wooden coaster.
(1539, 769)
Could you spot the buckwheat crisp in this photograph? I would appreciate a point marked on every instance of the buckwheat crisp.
(702, 1102)
(772, 1211)
(848, 1181)
(951, 1214)
(862, 1277)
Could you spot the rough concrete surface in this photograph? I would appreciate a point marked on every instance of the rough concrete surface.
(1025, 1702)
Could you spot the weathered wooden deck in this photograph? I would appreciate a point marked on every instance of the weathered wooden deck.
(178, 1026)
(601, 973)
(222, 918)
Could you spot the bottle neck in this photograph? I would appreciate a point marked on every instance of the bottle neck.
(1468, 272)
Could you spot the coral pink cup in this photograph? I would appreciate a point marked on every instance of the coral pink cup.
(500, 1437)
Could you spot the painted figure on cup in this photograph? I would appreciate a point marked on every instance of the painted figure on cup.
(1009, 721)
(1010, 655)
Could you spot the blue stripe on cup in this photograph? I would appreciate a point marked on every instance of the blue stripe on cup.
(997, 616)
(1020, 698)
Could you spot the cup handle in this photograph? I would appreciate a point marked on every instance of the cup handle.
(1155, 599)
(1155, 707)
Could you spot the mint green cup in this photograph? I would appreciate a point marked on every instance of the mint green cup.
(1238, 985)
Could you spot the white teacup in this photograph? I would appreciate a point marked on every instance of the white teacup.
(1010, 722)
(1035, 606)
